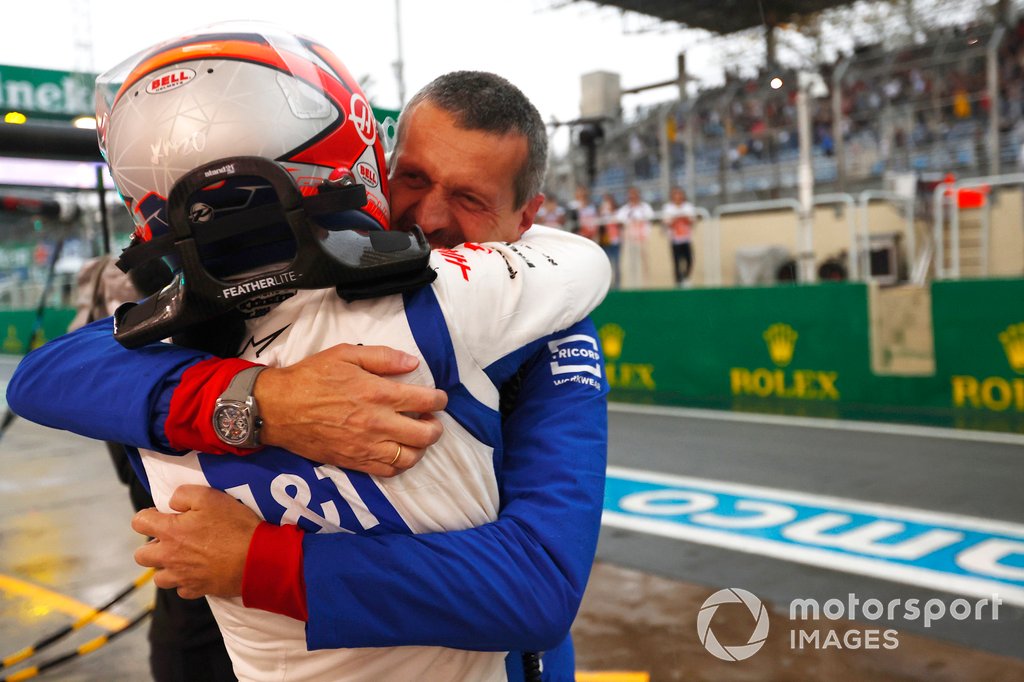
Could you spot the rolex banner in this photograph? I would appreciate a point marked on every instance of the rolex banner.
(980, 353)
(23, 331)
(798, 350)
(806, 351)
(807, 346)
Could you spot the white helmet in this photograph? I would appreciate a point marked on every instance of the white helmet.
(238, 146)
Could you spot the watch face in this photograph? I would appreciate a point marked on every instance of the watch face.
(232, 423)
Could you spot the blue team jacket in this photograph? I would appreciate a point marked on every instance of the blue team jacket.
(513, 584)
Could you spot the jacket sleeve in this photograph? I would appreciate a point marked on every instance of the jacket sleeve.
(86, 383)
(513, 584)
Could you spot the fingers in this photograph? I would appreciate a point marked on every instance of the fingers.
(407, 459)
(187, 497)
(149, 555)
(411, 398)
(384, 361)
(380, 360)
(411, 432)
(148, 522)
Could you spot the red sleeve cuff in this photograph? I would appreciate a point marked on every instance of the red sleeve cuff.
(273, 579)
(189, 424)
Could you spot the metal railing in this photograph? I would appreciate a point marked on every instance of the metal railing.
(949, 193)
(743, 207)
(851, 225)
(866, 197)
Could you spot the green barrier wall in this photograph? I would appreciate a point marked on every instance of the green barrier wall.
(805, 351)
(17, 327)
(979, 354)
(788, 350)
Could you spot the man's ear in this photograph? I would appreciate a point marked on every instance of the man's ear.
(529, 213)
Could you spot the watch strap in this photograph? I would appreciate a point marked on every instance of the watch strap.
(238, 395)
(240, 388)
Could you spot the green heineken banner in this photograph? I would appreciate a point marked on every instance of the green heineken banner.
(63, 95)
(43, 93)
(806, 351)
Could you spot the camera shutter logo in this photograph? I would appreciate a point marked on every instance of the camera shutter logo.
(732, 595)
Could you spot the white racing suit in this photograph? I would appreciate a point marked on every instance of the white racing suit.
(490, 307)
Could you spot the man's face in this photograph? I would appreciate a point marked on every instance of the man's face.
(456, 184)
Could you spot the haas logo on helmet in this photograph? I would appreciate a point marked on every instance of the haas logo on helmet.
(362, 117)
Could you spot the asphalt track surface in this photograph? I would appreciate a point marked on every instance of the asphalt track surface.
(65, 543)
(936, 477)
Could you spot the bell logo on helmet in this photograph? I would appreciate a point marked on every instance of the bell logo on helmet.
(367, 173)
(170, 80)
(362, 117)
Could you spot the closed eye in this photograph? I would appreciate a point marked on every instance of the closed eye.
(413, 180)
(471, 202)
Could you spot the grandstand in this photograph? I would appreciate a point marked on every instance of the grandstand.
(888, 123)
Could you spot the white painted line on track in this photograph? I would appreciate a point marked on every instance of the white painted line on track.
(977, 523)
(883, 428)
(907, 575)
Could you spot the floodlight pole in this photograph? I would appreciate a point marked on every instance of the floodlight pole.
(838, 139)
(992, 85)
(805, 180)
(399, 63)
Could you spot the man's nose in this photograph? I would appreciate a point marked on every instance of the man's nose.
(431, 212)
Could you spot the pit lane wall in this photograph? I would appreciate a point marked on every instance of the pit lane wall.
(19, 327)
(819, 351)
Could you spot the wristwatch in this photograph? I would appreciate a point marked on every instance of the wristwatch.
(236, 416)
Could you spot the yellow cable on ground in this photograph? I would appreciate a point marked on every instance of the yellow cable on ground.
(87, 648)
(88, 614)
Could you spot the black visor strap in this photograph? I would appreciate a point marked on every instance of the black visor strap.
(249, 220)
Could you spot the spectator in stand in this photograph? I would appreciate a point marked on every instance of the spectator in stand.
(636, 216)
(678, 216)
(583, 215)
(610, 233)
(551, 213)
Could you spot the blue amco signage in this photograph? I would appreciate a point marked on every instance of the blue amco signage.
(940, 551)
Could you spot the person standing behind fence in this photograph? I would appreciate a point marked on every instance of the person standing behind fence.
(610, 233)
(551, 214)
(636, 216)
(678, 216)
(583, 217)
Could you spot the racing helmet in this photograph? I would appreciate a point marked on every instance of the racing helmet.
(235, 148)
